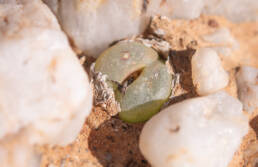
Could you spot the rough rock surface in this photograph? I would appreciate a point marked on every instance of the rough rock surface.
(235, 10)
(247, 81)
(94, 24)
(175, 8)
(207, 72)
(225, 42)
(107, 141)
(44, 91)
(246, 10)
(194, 132)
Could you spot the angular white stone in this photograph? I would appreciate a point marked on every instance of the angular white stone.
(235, 10)
(94, 24)
(53, 4)
(45, 94)
(247, 83)
(183, 9)
(15, 2)
(207, 72)
(15, 151)
(43, 87)
(225, 41)
(199, 132)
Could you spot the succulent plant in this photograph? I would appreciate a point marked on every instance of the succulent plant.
(146, 95)
(124, 58)
(140, 80)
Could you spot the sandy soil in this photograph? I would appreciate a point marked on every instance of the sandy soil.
(106, 141)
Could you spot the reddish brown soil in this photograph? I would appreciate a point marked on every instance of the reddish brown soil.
(106, 141)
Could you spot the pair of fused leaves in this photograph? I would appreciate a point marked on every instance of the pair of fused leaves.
(146, 94)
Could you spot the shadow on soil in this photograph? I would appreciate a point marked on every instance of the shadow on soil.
(115, 144)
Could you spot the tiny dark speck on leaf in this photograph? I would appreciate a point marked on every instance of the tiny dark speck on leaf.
(175, 129)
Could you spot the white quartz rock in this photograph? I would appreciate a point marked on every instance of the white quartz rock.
(207, 72)
(183, 9)
(94, 24)
(15, 151)
(225, 42)
(43, 87)
(53, 4)
(247, 82)
(235, 10)
(199, 132)
(15, 2)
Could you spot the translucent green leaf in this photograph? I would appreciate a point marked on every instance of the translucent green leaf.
(146, 95)
(124, 58)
